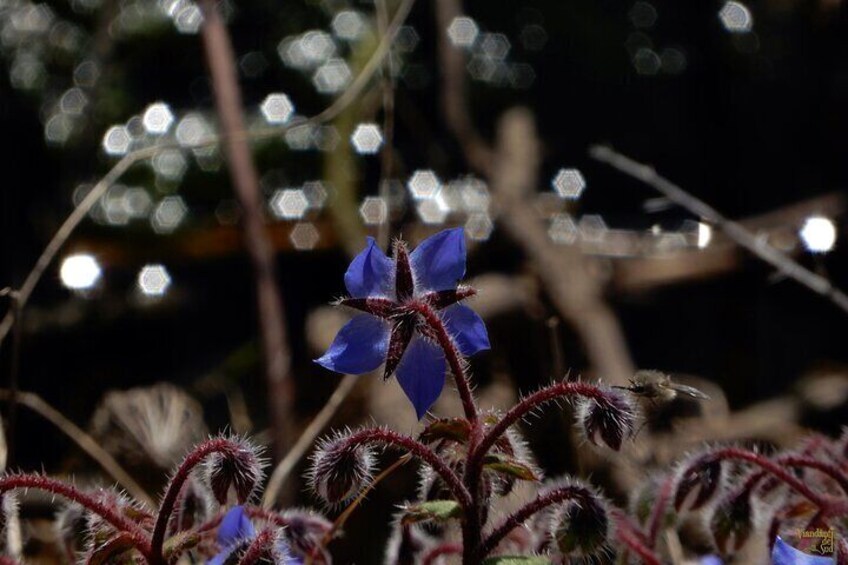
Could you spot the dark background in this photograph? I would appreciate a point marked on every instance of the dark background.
(747, 130)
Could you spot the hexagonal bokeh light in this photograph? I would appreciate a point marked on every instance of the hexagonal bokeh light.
(569, 183)
(374, 210)
(304, 236)
(277, 108)
(424, 184)
(169, 214)
(117, 140)
(736, 17)
(367, 139)
(158, 118)
(153, 280)
(289, 203)
(463, 31)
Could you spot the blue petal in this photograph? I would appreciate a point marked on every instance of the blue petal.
(235, 526)
(439, 261)
(421, 374)
(359, 347)
(221, 557)
(370, 272)
(466, 328)
(710, 560)
(785, 554)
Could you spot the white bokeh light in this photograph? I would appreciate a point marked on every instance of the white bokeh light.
(80, 272)
(158, 118)
(463, 31)
(117, 140)
(367, 139)
(277, 108)
(153, 280)
(736, 17)
(569, 183)
(424, 184)
(705, 235)
(818, 234)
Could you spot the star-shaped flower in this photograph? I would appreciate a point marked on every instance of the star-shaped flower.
(236, 532)
(397, 296)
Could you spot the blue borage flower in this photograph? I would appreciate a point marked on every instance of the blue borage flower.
(391, 330)
(781, 554)
(235, 532)
(784, 554)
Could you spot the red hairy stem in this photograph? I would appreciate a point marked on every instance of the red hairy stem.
(388, 438)
(454, 358)
(664, 496)
(830, 470)
(630, 535)
(518, 517)
(70, 492)
(827, 505)
(258, 547)
(192, 460)
(7, 561)
(438, 551)
(529, 403)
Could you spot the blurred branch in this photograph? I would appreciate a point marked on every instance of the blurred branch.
(306, 440)
(454, 103)
(512, 168)
(99, 189)
(387, 152)
(735, 231)
(83, 440)
(567, 274)
(273, 328)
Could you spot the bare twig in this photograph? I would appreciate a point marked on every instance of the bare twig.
(454, 105)
(14, 372)
(306, 440)
(83, 440)
(272, 321)
(759, 247)
(118, 169)
(387, 153)
(567, 275)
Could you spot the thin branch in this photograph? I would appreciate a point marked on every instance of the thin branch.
(221, 59)
(759, 247)
(387, 153)
(306, 440)
(118, 169)
(83, 440)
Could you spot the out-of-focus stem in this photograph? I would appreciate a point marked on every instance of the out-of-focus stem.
(277, 359)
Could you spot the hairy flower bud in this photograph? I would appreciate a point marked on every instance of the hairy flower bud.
(607, 420)
(237, 465)
(340, 469)
(732, 522)
(305, 531)
(698, 483)
(195, 505)
(581, 526)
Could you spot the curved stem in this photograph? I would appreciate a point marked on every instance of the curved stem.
(389, 438)
(438, 551)
(257, 547)
(70, 492)
(529, 403)
(629, 535)
(825, 468)
(175, 486)
(518, 517)
(660, 507)
(454, 358)
(828, 505)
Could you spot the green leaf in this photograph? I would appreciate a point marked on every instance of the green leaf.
(508, 466)
(456, 429)
(433, 510)
(517, 560)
